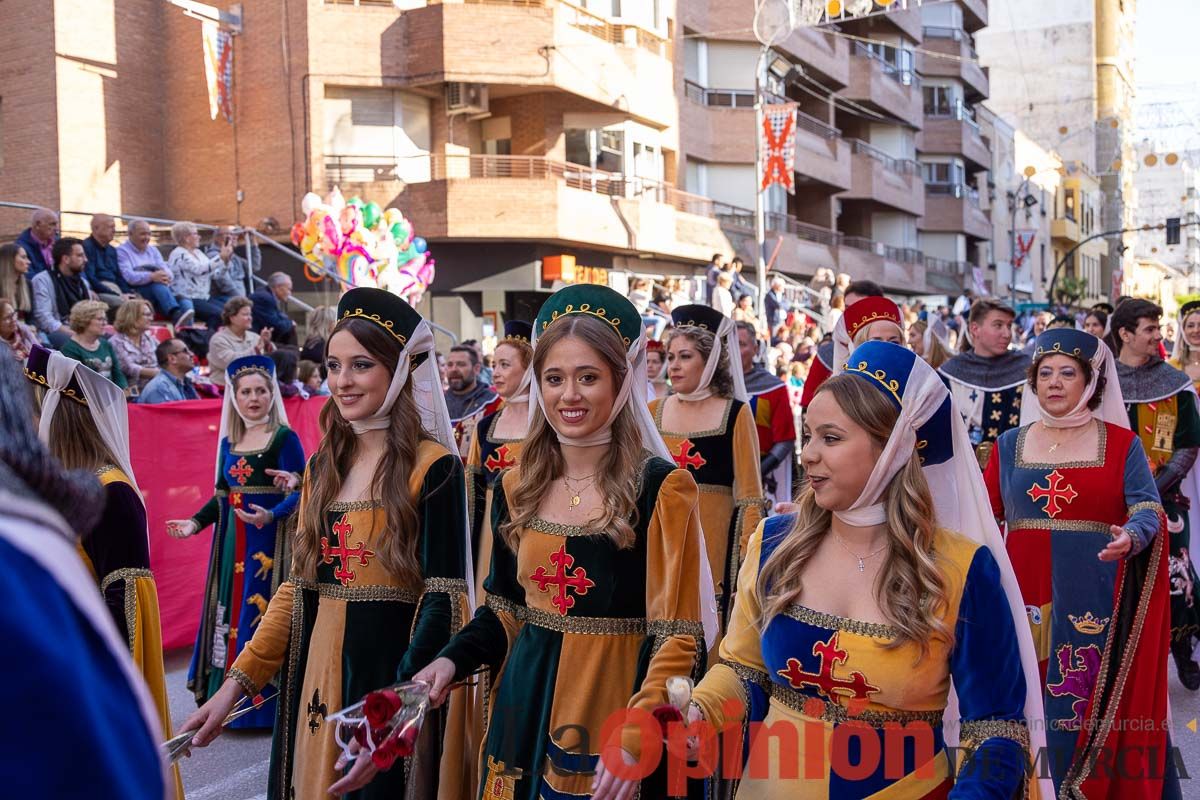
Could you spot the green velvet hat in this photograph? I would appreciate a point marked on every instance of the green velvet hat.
(596, 301)
(383, 308)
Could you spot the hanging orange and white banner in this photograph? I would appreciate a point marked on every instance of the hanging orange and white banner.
(218, 69)
(779, 146)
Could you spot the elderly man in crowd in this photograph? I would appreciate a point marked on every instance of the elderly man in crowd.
(270, 309)
(59, 288)
(174, 380)
(38, 239)
(777, 304)
(236, 279)
(102, 271)
(144, 269)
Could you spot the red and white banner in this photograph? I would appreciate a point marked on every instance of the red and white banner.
(1024, 241)
(218, 69)
(779, 146)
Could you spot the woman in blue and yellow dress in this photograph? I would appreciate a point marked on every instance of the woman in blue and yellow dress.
(496, 440)
(859, 610)
(251, 518)
(380, 561)
(708, 428)
(1086, 537)
(597, 587)
(85, 423)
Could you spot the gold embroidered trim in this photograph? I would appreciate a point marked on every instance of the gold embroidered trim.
(675, 627)
(220, 493)
(839, 715)
(749, 674)
(357, 594)
(1098, 461)
(270, 489)
(107, 468)
(714, 488)
(446, 585)
(68, 392)
(1059, 525)
(386, 324)
(243, 680)
(500, 604)
(1144, 506)
(586, 308)
(717, 431)
(976, 732)
(880, 377)
(874, 630)
(559, 529)
(289, 686)
(750, 502)
(354, 505)
(124, 574)
(591, 626)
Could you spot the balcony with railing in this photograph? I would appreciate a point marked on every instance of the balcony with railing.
(955, 58)
(944, 275)
(954, 131)
(826, 55)
(884, 179)
(905, 20)
(954, 208)
(883, 79)
(975, 14)
(822, 154)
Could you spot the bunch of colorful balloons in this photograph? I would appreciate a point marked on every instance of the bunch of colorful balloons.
(364, 244)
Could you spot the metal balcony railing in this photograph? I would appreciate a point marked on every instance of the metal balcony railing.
(719, 98)
(945, 266)
(900, 166)
(957, 34)
(902, 74)
(816, 126)
(956, 190)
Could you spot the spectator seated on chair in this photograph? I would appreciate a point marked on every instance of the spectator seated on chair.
(174, 379)
(270, 309)
(135, 343)
(143, 268)
(87, 344)
(192, 273)
(38, 240)
(235, 339)
(58, 289)
(102, 270)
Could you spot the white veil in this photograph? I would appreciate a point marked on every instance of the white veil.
(962, 505)
(105, 402)
(635, 376)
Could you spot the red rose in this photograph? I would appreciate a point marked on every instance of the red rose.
(406, 741)
(666, 714)
(380, 707)
(386, 754)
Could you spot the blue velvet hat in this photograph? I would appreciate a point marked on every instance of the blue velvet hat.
(248, 364)
(887, 367)
(518, 330)
(1066, 341)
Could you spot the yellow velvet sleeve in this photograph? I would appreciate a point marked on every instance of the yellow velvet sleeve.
(747, 480)
(673, 544)
(741, 649)
(263, 655)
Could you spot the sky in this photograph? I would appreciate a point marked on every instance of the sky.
(1168, 82)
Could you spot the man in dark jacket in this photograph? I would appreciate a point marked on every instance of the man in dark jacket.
(270, 303)
(38, 239)
(102, 271)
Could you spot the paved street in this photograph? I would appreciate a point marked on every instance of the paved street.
(235, 766)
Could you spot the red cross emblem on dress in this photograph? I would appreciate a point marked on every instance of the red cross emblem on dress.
(241, 471)
(344, 552)
(504, 461)
(563, 580)
(1056, 489)
(686, 458)
(855, 688)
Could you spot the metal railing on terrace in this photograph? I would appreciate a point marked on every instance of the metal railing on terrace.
(816, 126)
(957, 34)
(904, 75)
(718, 98)
(900, 166)
(958, 190)
(945, 266)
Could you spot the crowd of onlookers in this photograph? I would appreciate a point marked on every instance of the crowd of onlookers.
(149, 323)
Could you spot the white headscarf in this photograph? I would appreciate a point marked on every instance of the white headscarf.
(935, 328)
(726, 337)
(961, 504)
(105, 402)
(1112, 404)
(635, 376)
(229, 405)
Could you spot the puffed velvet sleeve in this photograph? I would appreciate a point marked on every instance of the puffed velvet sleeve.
(443, 605)
(486, 639)
(211, 511)
(990, 683)
(1145, 510)
(291, 459)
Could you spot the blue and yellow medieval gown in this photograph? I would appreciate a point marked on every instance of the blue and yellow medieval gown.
(724, 462)
(247, 563)
(117, 554)
(826, 690)
(575, 630)
(1098, 626)
(488, 457)
(357, 628)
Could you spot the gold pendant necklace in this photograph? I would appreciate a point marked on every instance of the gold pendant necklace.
(576, 493)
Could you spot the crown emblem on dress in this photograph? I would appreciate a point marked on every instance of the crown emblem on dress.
(1088, 623)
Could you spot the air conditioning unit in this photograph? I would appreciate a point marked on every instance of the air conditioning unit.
(466, 98)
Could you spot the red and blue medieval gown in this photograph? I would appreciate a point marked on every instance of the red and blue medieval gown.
(1100, 628)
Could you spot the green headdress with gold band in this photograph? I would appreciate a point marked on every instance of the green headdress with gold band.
(596, 301)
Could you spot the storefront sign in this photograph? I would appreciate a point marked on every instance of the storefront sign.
(563, 268)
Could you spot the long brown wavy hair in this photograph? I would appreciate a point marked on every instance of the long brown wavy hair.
(912, 590)
(541, 458)
(75, 440)
(704, 341)
(336, 454)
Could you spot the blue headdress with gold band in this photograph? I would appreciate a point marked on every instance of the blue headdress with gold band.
(251, 363)
(887, 368)
(1068, 342)
(1086, 349)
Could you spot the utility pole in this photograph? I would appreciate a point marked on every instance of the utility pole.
(760, 217)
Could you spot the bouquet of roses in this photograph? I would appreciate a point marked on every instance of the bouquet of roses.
(679, 694)
(384, 724)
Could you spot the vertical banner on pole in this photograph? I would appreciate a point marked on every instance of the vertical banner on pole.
(218, 69)
(1024, 240)
(779, 146)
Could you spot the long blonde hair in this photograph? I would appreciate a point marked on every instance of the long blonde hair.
(912, 591)
(541, 457)
(1185, 349)
(333, 459)
(938, 354)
